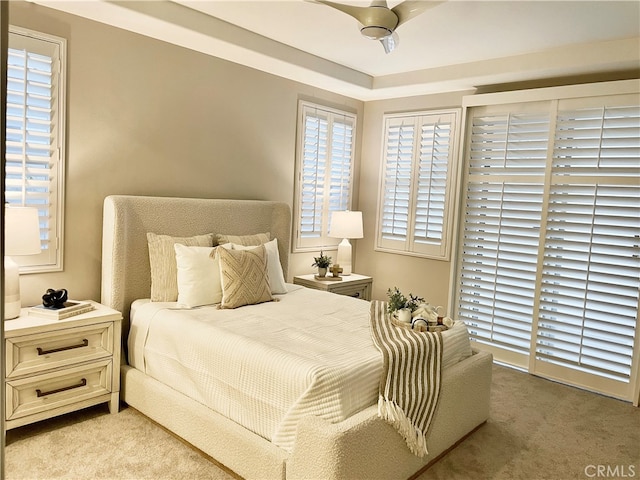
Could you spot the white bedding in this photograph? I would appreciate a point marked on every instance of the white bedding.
(265, 366)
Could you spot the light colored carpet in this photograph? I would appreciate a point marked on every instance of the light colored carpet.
(538, 430)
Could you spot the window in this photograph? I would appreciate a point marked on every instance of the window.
(549, 258)
(324, 172)
(35, 134)
(414, 212)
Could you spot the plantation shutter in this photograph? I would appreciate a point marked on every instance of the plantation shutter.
(549, 259)
(340, 165)
(436, 154)
(34, 137)
(419, 151)
(325, 168)
(504, 201)
(314, 169)
(590, 278)
(397, 182)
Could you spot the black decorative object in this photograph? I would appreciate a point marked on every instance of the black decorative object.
(55, 299)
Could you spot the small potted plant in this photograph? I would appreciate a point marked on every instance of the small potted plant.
(401, 306)
(323, 262)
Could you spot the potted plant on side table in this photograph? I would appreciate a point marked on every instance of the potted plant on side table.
(400, 306)
(323, 262)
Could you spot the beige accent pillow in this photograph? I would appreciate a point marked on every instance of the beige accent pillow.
(274, 267)
(162, 260)
(244, 278)
(245, 240)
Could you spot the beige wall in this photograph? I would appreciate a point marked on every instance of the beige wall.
(424, 277)
(150, 118)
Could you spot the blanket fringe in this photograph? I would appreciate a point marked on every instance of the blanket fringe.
(393, 414)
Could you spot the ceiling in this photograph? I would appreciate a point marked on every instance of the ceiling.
(454, 45)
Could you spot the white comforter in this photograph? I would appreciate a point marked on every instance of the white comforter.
(265, 366)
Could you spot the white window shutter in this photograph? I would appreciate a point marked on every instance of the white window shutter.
(325, 159)
(504, 200)
(549, 259)
(437, 153)
(340, 168)
(590, 279)
(314, 170)
(415, 196)
(34, 129)
(396, 203)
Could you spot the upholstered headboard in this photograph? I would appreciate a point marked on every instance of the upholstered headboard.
(127, 219)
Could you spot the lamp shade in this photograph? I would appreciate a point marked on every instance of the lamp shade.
(21, 231)
(346, 224)
(21, 237)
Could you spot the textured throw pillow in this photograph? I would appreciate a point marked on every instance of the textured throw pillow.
(246, 240)
(198, 276)
(458, 344)
(274, 267)
(162, 260)
(244, 277)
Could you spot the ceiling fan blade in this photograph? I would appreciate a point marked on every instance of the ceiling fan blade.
(408, 9)
(390, 42)
(359, 13)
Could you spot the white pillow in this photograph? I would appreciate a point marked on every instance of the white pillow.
(274, 268)
(198, 276)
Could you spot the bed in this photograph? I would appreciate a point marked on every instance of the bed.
(307, 441)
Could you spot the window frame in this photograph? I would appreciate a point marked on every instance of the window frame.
(52, 217)
(323, 241)
(436, 250)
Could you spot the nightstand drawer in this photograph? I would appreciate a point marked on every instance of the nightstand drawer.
(37, 353)
(356, 291)
(40, 393)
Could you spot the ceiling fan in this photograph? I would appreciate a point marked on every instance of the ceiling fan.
(378, 21)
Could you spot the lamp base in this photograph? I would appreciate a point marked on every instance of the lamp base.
(12, 303)
(344, 256)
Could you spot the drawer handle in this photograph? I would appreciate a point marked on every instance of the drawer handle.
(356, 295)
(84, 343)
(40, 393)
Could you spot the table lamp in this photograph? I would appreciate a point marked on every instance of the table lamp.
(21, 237)
(345, 225)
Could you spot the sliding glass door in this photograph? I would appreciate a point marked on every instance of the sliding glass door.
(549, 251)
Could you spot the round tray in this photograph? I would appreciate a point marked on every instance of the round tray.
(419, 328)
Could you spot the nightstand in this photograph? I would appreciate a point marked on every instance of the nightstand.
(354, 285)
(58, 366)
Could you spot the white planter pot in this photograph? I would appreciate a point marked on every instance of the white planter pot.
(404, 315)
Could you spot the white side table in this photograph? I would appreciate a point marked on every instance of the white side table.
(59, 366)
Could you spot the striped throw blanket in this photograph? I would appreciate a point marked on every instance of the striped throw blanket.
(410, 383)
